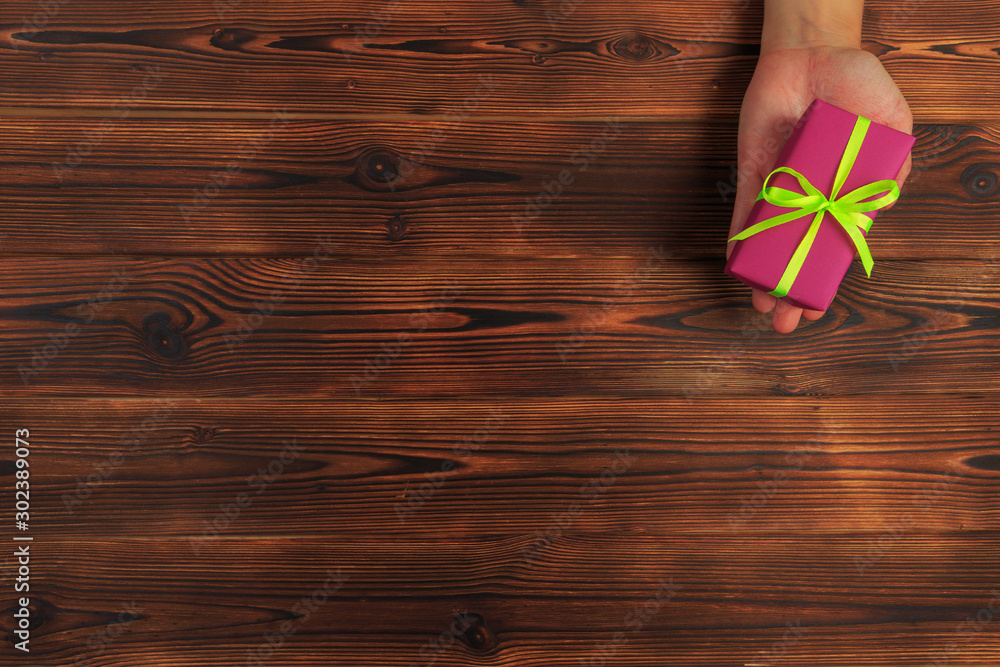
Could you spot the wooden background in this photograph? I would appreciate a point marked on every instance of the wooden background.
(468, 441)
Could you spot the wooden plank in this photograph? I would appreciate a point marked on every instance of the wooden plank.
(685, 601)
(333, 326)
(412, 469)
(144, 186)
(692, 60)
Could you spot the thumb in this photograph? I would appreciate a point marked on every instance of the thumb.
(748, 186)
(904, 173)
(756, 158)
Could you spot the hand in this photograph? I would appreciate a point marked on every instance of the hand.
(786, 81)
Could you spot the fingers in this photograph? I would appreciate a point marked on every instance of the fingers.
(763, 301)
(904, 173)
(786, 317)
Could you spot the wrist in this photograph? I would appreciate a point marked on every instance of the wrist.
(803, 24)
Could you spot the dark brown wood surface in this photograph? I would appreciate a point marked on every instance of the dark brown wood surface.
(544, 58)
(289, 328)
(465, 197)
(308, 382)
(362, 462)
(398, 601)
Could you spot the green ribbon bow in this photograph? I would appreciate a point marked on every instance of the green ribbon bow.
(847, 209)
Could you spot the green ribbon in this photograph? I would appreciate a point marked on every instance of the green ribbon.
(847, 209)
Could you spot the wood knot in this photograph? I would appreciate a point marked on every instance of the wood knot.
(396, 228)
(40, 612)
(377, 170)
(203, 435)
(990, 462)
(162, 337)
(635, 47)
(383, 165)
(231, 39)
(981, 181)
(480, 638)
(473, 631)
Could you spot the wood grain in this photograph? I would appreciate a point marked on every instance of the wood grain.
(692, 60)
(141, 186)
(729, 600)
(147, 327)
(413, 469)
(274, 324)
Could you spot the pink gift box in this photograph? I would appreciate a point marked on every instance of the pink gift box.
(815, 149)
